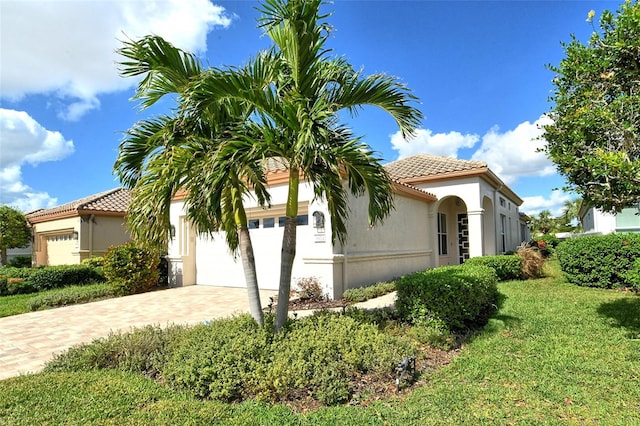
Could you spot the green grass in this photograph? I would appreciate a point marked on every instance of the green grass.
(23, 303)
(553, 354)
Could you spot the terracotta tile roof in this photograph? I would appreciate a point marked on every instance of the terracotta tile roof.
(114, 201)
(424, 166)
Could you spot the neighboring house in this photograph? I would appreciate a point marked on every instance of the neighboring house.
(595, 221)
(72, 232)
(446, 210)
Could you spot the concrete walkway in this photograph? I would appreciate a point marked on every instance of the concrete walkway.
(28, 341)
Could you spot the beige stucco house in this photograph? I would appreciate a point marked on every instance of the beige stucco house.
(67, 234)
(446, 210)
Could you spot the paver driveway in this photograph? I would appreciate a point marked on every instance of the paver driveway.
(28, 341)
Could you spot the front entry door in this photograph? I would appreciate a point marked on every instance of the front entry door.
(463, 237)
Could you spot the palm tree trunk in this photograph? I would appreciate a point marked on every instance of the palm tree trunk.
(288, 252)
(250, 276)
(246, 253)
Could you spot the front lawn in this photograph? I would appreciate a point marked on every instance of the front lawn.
(554, 353)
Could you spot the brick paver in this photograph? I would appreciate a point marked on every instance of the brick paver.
(28, 341)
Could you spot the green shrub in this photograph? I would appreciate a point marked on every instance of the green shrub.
(550, 240)
(599, 260)
(49, 277)
(20, 262)
(633, 275)
(131, 269)
(355, 295)
(94, 262)
(18, 286)
(322, 353)
(13, 272)
(218, 360)
(142, 350)
(507, 267)
(461, 296)
(69, 296)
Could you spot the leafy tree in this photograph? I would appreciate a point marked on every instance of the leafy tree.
(297, 93)
(15, 231)
(594, 137)
(200, 156)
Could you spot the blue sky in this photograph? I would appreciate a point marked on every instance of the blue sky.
(477, 67)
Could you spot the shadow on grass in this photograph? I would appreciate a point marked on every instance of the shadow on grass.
(625, 312)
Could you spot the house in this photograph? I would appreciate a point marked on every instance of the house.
(72, 232)
(446, 211)
(595, 221)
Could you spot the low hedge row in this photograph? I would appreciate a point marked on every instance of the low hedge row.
(507, 267)
(604, 261)
(459, 296)
(29, 280)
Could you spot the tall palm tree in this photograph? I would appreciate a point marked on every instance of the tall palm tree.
(207, 155)
(296, 92)
(571, 212)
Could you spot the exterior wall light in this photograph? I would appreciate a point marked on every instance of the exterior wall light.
(318, 221)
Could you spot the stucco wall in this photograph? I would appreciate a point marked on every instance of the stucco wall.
(402, 244)
(98, 233)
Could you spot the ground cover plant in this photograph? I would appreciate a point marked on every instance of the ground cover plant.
(554, 353)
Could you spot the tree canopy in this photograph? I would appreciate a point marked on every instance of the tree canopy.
(14, 231)
(595, 137)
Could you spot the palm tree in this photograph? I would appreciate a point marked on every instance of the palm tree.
(296, 93)
(207, 156)
(571, 212)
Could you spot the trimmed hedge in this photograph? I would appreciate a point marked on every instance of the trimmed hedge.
(602, 261)
(507, 267)
(61, 276)
(70, 295)
(459, 296)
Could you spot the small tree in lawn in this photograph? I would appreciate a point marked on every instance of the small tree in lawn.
(14, 231)
(595, 136)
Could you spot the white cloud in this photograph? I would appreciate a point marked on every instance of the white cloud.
(425, 142)
(555, 203)
(513, 154)
(68, 47)
(24, 140)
